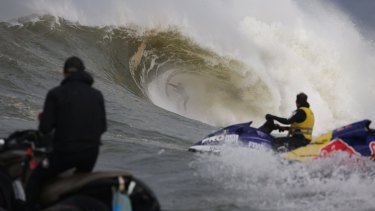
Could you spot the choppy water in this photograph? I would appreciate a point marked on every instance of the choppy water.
(234, 64)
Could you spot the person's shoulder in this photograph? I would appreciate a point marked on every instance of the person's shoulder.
(97, 92)
(54, 91)
(300, 111)
(303, 108)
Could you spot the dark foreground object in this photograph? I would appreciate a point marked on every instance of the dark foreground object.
(23, 150)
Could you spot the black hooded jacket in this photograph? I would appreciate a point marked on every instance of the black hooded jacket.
(75, 112)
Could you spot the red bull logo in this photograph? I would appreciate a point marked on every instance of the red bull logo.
(337, 145)
(372, 148)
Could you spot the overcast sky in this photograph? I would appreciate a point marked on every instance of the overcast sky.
(362, 11)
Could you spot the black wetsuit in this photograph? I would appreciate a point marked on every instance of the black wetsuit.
(75, 112)
(295, 141)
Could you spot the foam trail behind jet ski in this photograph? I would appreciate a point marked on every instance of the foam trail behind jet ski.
(267, 182)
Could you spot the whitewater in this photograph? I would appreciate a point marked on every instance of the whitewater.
(236, 61)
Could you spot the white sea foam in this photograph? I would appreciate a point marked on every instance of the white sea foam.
(264, 181)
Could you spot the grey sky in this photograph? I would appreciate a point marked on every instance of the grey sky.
(362, 11)
(12, 9)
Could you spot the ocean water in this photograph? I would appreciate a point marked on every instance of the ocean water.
(233, 62)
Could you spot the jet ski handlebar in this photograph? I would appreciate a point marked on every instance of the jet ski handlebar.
(281, 128)
(22, 140)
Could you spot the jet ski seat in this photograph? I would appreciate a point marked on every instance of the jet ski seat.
(57, 188)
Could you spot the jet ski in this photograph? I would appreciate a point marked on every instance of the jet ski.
(242, 135)
(22, 151)
(356, 139)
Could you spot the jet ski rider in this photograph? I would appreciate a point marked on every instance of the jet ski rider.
(74, 112)
(301, 126)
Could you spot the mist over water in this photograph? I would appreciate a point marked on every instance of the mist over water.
(234, 62)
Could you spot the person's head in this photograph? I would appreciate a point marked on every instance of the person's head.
(301, 99)
(73, 64)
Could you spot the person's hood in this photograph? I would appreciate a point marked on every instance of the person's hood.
(80, 76)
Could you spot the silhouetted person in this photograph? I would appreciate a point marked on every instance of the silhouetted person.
(74, 112)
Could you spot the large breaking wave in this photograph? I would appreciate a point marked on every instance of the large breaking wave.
(240, 62)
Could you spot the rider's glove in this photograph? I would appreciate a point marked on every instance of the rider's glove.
(270, 117)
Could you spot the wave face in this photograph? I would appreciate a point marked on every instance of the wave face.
(167, 68)
(147, 64)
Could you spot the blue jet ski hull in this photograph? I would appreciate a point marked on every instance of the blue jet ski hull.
(242, 135)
